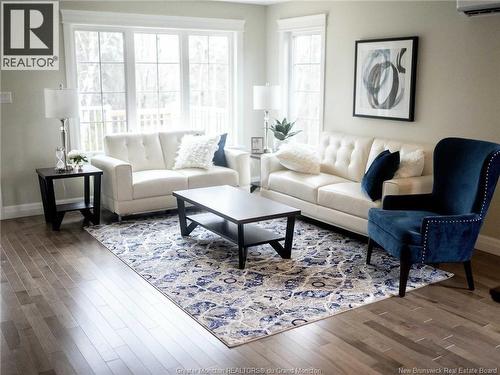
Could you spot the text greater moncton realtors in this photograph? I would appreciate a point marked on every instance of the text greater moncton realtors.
(28, 62)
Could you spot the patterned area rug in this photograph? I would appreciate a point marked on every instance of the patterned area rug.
(326, 275)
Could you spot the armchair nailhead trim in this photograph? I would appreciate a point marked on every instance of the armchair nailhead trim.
(486, 184)
(461, 221)
(444, 222)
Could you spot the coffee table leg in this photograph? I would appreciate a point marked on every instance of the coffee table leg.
(182, 217)
(242, 250)
(185, 229)
(290, 224)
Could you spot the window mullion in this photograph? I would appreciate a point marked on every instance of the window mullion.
(157, 125)
(184, 64)
(132, 123)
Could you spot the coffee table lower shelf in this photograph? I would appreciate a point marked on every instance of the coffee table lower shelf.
(233, 214)
(254, 235)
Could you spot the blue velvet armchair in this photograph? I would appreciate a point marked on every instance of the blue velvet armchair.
(443, 226)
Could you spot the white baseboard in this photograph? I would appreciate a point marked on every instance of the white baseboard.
(30, 209)
(488, 244)
(485, 243)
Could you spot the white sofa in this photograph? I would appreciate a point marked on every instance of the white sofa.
(335, 196)
(138, 175)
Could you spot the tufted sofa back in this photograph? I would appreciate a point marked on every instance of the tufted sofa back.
(344, 155)
(380, 145)
(145, 151)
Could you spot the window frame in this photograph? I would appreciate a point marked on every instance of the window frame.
(231, 72)
(288, 28)
(129, 24)
(72, 82)
(132, 68)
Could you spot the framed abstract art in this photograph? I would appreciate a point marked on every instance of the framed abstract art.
(385, 72)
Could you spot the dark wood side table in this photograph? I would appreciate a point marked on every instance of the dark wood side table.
(54, 213)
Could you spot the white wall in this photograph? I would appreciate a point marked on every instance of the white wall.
(458, 75)
(29, 140)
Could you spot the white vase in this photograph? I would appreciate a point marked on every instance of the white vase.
(278, 143)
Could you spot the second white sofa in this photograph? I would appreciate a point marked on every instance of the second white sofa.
(139, 176)
(334, 196)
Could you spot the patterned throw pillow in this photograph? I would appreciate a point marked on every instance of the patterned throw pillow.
(196, 151)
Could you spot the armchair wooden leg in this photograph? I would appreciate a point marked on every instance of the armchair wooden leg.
(468, 274)
(369, 251)
(404, 270)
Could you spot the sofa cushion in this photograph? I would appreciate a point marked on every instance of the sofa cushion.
(344, 155)
(301, 185)
(154, 183)
(220, 156)
(214, 176)
(346, 197)
(383, 168)
(142, 151)
(170, 142)
(196, 151)
(299, 158)
(398, 230)
(402, 226)
(380, 145)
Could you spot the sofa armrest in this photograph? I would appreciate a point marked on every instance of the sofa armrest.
(410, 185)
(239, 161)
(269, 163)
(117, 177)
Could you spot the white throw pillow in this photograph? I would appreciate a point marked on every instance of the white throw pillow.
(196, 151)
(299, 158)
(411, 164)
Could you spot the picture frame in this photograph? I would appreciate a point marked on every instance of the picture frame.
(257, 145)
(385, 74)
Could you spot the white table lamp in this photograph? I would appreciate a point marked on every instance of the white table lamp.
(61, 104)
(266, 98)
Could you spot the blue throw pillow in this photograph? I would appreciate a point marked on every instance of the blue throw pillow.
(219, 156)
(382, 168)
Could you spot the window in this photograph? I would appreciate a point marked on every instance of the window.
(302, 74)
(305, 90)
(142, 78)
(157, 81)
(101, 86)
(209, 82)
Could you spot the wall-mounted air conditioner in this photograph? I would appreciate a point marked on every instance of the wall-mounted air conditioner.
(478, 7)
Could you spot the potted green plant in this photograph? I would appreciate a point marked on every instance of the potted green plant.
(77, 158)
(282, 131)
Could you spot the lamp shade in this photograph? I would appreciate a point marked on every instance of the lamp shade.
(266, 97)
(61, 103)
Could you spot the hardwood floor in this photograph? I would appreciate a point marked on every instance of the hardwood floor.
(70, 306)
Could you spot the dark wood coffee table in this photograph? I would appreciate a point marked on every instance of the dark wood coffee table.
(230, 212)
